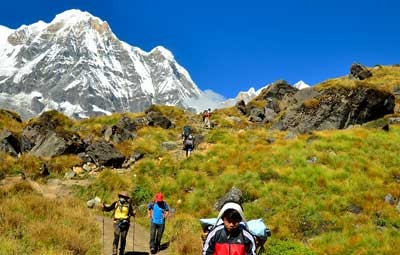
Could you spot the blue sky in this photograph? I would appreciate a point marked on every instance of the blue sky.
(229, 46)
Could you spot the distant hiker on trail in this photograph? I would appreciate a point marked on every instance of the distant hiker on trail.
(188, 145)
(158, 211)
(122, 211)
(230, 237)
(187, 140)
(187, 130)
(206, 118)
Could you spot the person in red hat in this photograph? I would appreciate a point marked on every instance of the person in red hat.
(122, 211)
(157, 211)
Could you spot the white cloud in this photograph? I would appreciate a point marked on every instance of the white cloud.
(207, 99)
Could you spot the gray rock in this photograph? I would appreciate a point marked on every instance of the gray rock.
(390, 199)
(359, 71)
(356, 209)
(336, 108)
(55, 144)
(69, 175)
(9, 143)
(169, 146)
(104, 154)
(93, 202)
(234, 195)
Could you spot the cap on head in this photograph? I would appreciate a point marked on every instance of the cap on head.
(231, 205)
(159, 197)
(123, 194)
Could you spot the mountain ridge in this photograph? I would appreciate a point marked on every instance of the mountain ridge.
(76, 64)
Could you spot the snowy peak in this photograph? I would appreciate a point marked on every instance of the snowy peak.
(301, 85)
(73, 16)
(78, 66)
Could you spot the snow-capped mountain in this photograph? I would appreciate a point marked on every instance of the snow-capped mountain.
(247, 96)
(301, 85)
(75, 64)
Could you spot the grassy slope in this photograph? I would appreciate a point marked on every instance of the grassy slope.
(302, 187)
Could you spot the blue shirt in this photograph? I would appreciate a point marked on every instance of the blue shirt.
(158, 212)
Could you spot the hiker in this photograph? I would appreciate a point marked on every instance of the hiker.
(158, 211)
(186, 131)
(206, 118)
(122, 211)
(188, 145)
(232, 236)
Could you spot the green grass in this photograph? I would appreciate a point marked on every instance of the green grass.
(31, 224)
(302, 187)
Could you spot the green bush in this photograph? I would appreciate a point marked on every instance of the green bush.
(278, 247)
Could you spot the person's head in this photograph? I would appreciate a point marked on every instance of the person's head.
(159, 197)
(231, 219)
(231, 214)
(123, 197)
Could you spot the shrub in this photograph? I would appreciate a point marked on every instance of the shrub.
(311, 103)
(278, 247)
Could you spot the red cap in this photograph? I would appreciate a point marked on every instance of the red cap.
(159, 197)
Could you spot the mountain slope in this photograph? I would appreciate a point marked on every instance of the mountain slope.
(75, 64)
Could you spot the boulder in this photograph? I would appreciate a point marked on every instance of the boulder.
(359, 71)
(127, 123)
(256, 115)
(10, 143)
(117, 134)
(159, 120)
(241, 106)
(234, 195)
(48, 122)
(277, 96)
(169, 146)
(104, 154)
(55, 144)
(336, 108)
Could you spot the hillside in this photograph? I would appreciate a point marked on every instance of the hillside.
(330, 191)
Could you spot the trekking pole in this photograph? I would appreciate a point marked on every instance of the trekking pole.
(133, 236)
(103, 234)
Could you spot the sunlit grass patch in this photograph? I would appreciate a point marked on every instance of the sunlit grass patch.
(36, 225)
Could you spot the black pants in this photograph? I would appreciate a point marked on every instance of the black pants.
(156, 232)
(119, 233)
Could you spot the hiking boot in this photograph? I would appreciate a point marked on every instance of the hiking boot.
(153, 251)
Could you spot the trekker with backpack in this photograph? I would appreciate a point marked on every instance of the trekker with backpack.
(122, 211)
(186, 131)
(230, 237)
(158, 211)
(187, 140)
(188, 145)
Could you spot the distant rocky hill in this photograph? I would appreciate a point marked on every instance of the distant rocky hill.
(337, 104)
(76, 65)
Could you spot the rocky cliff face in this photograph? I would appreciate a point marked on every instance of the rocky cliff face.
(76, 65)
(335, 108)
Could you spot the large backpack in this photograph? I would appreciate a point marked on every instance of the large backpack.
(187, 130)
(189, 142)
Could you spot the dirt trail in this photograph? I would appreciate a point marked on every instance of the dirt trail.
(140, 241)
